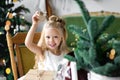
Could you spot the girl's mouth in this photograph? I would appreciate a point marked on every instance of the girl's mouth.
(52, 45)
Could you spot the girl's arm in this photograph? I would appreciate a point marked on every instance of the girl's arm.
(36, 18)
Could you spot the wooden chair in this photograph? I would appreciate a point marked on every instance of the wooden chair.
(21, 58)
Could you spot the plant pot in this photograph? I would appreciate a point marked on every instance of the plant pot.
(95, 76)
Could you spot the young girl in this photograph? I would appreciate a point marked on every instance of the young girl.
(52, 44)
(51, 47)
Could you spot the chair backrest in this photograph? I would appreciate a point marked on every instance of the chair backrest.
(21, 58)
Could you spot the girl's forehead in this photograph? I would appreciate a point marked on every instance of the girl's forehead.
(52, 31)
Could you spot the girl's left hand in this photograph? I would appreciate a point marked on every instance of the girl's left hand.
(38, 17)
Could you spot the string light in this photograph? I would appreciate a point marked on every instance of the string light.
(4, 62)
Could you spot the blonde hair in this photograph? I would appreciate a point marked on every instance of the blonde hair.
(59, 24)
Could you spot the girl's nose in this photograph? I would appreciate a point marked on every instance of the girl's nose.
(51, 40)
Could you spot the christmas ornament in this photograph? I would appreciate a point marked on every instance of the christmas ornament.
(8, 23)
(10, 15)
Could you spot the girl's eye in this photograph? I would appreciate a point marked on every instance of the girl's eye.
(48, 37)
(55, 36)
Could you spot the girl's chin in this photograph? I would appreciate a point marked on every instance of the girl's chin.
(52, 48)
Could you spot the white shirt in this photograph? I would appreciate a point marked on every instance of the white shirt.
(51, 61)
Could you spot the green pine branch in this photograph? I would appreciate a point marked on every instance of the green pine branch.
(105, 24)
(94, 47)
(21, 8)
(84, 11)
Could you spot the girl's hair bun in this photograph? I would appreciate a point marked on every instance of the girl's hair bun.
(54, 18)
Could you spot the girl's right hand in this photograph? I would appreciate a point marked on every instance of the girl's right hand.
(38, 17)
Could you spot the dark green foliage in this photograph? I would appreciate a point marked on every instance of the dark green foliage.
(94, 45)
(105, 24)
(7, 7)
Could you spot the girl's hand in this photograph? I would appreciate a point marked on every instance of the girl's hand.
(38, 17)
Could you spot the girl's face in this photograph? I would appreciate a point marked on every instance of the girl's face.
(52, 38)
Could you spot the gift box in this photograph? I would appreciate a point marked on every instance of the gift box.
(35, 74)
(67, 70)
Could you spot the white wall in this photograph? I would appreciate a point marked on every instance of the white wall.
(106, 5)
(92, 5)
(61, 7)
(72, 7)
(32, 5)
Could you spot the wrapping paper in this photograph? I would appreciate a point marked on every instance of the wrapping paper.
(35, 74)
(67, 71)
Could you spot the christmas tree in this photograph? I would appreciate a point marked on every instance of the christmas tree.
(15, 19)
(96, 50)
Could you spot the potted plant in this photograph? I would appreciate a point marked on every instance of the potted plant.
(97, 51)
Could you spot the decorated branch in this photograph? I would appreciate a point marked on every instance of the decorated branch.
(96, 50)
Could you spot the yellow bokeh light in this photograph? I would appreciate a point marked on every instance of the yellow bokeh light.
(8, 70)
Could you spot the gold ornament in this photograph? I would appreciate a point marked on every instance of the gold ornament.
(112, 54)
(7, 70)
(7, 26)
(8, 23)
(10, 16)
